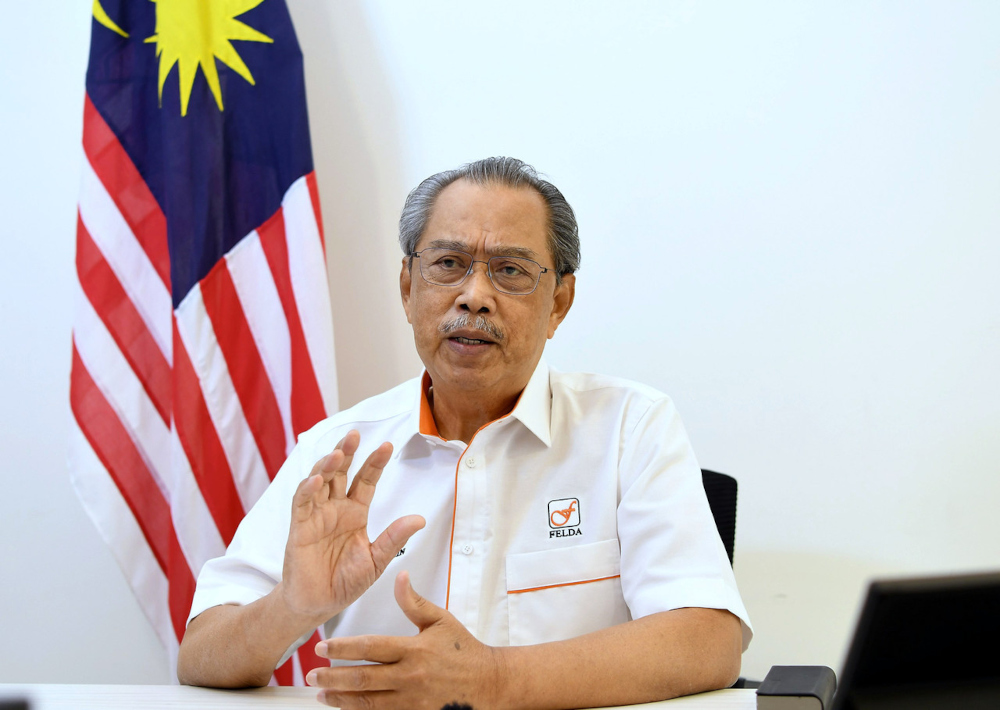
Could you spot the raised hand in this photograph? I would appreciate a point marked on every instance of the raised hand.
(329, 561)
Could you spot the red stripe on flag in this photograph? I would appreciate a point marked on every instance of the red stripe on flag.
(314, 197)
(129, 191)
(202, 445)
(181, 591)
(246, 368)
(114, 448)
(307, 400)
(126, 326)
(116, 451)
(285, 673)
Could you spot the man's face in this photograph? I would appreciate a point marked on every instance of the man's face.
(485, 222)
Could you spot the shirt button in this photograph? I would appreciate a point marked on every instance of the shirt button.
(467, 549)
(470, 462)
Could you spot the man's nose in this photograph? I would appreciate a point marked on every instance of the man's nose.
(476, 294)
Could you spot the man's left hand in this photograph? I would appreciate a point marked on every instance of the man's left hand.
(442, 664)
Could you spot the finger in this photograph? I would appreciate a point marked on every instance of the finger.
(327, 465)
(358, 701)
(324, 468)
(349, 445)
(376, 649)
(305, 496)
(393, 538)
(336, 465)
(363, 486)
(355, 679)
(417, 609)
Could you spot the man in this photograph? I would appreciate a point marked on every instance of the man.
(566, 553)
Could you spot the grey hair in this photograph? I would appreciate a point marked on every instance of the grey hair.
(564, 235)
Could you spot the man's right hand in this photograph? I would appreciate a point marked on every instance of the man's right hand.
(329, 561)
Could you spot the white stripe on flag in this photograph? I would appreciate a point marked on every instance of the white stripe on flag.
(117, 526)
(197, 534)
(198, 336)
(307, 266)
(124, 392)
(131, 265)
(261, 304)
(297, 676)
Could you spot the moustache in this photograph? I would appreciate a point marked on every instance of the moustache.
(480, 323)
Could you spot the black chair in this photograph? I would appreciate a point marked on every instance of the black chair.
(721, 491)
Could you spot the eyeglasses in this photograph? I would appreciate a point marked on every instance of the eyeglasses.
(512, 275)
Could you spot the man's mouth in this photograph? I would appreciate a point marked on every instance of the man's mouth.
(465, 328)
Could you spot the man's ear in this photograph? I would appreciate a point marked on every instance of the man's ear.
(404, 286)
(562, 301)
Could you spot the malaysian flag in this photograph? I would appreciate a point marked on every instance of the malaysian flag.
(202, 341)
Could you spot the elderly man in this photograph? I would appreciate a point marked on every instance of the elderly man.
(555, 525)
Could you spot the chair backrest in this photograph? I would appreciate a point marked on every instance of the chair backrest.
(721, 491)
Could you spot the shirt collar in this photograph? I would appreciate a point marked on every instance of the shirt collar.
(533, 408)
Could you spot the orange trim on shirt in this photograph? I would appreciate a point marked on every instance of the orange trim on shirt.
(428, 426)
(565, 584)
(454, 512)
(454, 507)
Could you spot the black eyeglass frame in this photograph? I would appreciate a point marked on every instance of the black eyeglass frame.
(489, 270)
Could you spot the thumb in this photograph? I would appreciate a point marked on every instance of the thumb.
(417, 609)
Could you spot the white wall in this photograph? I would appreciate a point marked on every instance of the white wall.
(790, 223)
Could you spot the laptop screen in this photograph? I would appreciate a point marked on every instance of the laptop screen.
(925, 643)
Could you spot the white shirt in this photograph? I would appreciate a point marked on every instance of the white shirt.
(582, 508)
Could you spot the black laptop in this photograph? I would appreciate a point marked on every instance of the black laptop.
(929, 643)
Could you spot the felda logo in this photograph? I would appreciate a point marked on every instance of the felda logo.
(564, 517)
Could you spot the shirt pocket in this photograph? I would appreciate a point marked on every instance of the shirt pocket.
(558, 594)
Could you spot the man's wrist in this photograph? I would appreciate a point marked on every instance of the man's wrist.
(291, 617)
(503, 685)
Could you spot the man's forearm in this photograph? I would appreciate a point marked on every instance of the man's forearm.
(660, 656)
(657, 657)
(232, 646)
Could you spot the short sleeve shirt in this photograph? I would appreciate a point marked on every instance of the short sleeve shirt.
(581, 509)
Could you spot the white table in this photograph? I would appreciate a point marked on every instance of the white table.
(171, 697)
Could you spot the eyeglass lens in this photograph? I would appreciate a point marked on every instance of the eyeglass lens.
(510, 274)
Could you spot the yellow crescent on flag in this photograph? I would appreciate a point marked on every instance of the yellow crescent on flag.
(101, 16)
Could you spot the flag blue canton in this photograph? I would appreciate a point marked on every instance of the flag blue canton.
(217, 175)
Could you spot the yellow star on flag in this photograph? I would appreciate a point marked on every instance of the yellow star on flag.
(194, 33)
